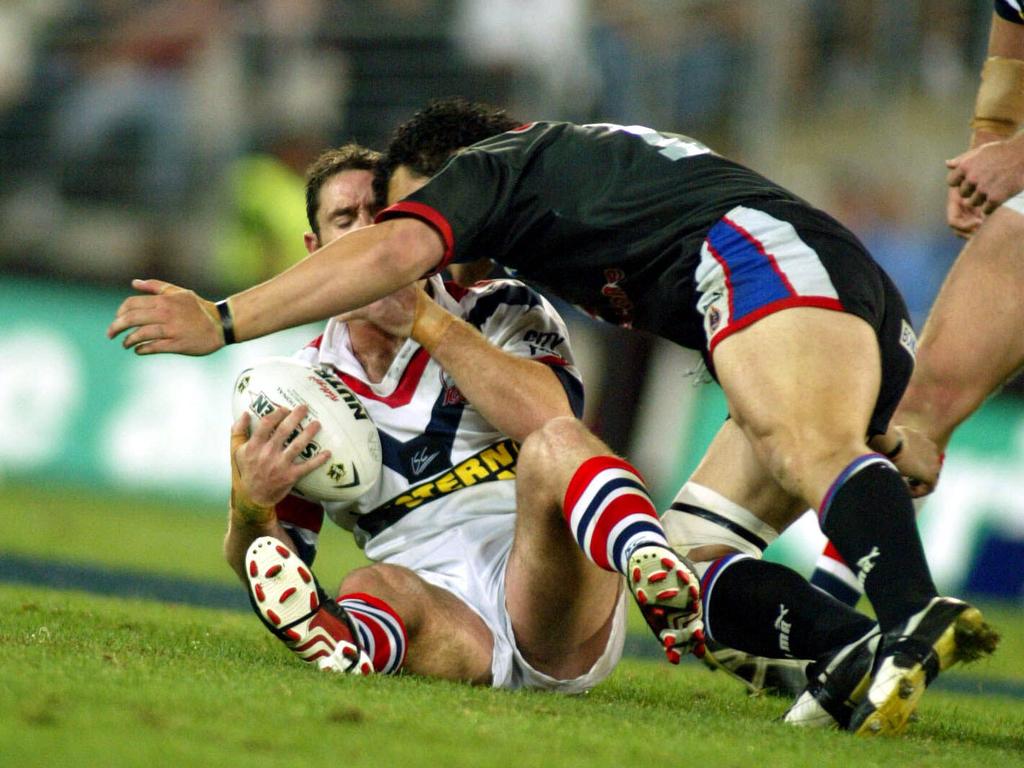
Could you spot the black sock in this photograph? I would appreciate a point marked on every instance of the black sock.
(869, 517)
(770, 610)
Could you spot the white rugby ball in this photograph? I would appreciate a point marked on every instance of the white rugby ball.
(346, 429)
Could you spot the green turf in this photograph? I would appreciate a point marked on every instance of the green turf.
(178, 538)
(100, 681)
(184, 539)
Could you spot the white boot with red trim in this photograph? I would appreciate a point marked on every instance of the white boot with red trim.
(291, 604)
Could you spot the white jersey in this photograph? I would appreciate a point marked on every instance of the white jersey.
(444, 505)
(444, 464)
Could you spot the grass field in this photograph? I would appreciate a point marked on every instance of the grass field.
(92, 680)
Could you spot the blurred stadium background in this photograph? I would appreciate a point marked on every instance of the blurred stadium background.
(167, 138)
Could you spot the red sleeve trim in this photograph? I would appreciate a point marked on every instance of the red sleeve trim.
(300, 512)
(429, 216)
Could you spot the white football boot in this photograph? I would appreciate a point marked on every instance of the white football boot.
(667, 590)
(836, 684)
(291, 604)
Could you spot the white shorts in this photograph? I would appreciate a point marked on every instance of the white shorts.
(469, 561)
(1016, 203)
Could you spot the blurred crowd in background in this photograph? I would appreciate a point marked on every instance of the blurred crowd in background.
(169, 137)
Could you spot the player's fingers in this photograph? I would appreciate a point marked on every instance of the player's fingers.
(143, 334)
(978, 199)
(240, 430)
(290, 425)
(265, 426)
(967, 188)
(919, 488)
(990, 206)
(155, 287)
(297, 445)
(303, 468)
(955, 176)
(134, 311)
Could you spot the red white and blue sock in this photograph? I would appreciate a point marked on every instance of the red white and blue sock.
(610, 512)
(380, 630)
(833, 576)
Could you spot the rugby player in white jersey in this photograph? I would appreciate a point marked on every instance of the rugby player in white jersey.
(477, 576)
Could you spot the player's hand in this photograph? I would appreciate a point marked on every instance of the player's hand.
(167, 318)
(962, 217)
(988, 175)
(264, 465)
(918, 460)
(394, 314)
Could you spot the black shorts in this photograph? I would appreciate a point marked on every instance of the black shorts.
(772, 255)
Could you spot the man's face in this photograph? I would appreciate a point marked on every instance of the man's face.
(346, 204)
(404, 182)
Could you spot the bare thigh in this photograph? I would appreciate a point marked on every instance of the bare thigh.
(802, 384)
(560, 603)
(973, 340)
(731, 467)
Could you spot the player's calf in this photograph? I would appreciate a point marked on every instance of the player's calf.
(613, 519)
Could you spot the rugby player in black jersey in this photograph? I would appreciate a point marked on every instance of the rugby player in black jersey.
(805, 333)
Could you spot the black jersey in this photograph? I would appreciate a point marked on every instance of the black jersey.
(610, 217)
(1011, 10)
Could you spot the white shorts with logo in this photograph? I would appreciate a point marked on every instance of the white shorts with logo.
(469, 561)
(1016, 203)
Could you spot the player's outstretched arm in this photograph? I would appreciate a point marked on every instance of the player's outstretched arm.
(349, 272)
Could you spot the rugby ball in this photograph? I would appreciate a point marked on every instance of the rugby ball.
(346, 429)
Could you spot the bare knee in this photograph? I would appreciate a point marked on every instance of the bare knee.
(551, 454)
(400, 587)
(804, 459)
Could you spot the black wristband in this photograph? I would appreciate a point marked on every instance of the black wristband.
(227, 323)
(895, 451)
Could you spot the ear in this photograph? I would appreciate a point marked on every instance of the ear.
(311, 241)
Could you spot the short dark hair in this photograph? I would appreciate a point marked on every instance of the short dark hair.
(350, 157)
(426, 141)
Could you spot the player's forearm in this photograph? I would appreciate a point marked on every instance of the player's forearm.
(999, 105)
(1006, 39)
(242, 533)
(514, 394)
(350, 272)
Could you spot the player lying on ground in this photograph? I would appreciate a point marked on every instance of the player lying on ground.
(806, 334)
(476, 577)
(973, 340)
